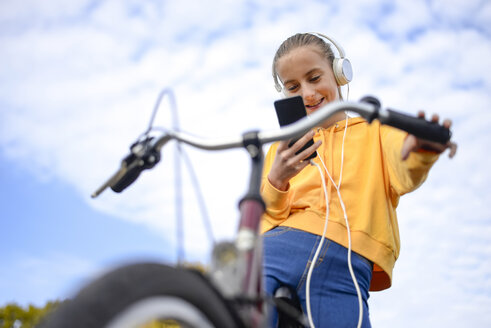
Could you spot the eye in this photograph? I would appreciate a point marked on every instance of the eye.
(292, 87)
(315, 78)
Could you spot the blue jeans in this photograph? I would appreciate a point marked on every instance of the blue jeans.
(288, 253)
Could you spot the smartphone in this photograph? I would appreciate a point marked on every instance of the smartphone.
(290, 110)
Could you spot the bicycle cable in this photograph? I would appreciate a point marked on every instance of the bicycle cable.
(180, 153)
(319, 247)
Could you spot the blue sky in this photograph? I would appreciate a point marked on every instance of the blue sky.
(78, 82)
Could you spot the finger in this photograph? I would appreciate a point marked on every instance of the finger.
(302, 141)
(308, 151)
(453, 149)
(282, 145)
(447, 123)
(409, 144)
(302, 165)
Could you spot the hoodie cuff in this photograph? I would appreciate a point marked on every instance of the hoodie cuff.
(275, 199)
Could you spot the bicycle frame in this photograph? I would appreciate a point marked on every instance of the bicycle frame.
(251, 209)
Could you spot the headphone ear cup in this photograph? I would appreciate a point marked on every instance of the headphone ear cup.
(343, 71)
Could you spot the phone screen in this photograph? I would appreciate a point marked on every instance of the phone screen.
(290, 110)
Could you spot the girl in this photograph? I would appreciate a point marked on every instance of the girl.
(367, 167)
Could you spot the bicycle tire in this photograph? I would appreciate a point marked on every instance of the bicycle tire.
(138, 293)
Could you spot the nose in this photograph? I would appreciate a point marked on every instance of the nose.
(308, 93)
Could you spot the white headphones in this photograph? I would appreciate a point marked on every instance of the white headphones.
(341, 65)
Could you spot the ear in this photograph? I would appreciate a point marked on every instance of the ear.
(278, 86)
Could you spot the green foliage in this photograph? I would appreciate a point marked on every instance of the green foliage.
(161, 324)
(15, 316)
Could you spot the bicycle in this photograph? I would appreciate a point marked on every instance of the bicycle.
(231, 294)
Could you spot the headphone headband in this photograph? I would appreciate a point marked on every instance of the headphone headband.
(334, 43)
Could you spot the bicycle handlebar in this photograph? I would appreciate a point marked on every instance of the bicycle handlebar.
(145, 153)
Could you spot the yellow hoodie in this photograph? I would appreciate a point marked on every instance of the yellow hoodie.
(374, 177)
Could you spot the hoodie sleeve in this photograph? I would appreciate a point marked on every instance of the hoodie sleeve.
(405, 175)
(278, 203)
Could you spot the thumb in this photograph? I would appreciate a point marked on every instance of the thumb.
(408, 145)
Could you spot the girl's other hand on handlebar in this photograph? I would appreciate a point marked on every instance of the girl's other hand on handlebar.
(287, 164)
(411, 143)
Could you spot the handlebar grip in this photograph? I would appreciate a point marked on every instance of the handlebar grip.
(127, 179)
(418, 127)
(131, 173)
(134, 165)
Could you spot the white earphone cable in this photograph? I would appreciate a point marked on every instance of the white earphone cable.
(316, 255)
(350, 266)
(319, 247)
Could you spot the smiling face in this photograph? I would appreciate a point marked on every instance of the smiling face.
(306, 72)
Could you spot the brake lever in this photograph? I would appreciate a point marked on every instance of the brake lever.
(143, 156)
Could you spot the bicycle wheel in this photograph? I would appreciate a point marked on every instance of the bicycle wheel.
(138, 295)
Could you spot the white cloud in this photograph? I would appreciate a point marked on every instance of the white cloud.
(33, 13)
(455, 12)
(76, 92)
